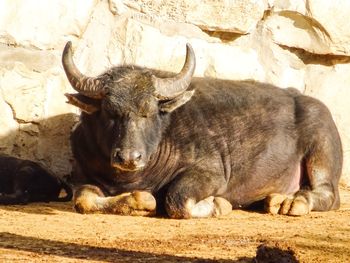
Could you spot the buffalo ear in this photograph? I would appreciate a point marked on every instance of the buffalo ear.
(171, 105)
(86, 104)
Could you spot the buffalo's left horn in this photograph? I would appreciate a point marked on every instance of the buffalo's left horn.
(87, 86)
(168, 88)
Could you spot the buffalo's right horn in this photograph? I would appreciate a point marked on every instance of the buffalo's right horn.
(87, 86)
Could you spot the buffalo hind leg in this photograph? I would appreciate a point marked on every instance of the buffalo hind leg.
(90, 199)
(323, 163)
(193, 195)
(321, 195)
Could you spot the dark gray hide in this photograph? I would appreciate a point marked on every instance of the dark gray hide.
(24, 181)
(201, 138)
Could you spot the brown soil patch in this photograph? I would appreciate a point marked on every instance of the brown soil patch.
(54, 233)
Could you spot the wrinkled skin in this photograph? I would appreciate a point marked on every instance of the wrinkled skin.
(24, 181)
(218, 145)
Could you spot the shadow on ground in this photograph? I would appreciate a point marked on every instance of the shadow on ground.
(77, 251)
(50, 208)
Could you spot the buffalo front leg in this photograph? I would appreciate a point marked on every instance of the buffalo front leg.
(195, 195)
(90, 199)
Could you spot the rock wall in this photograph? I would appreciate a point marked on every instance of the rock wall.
(299, 43)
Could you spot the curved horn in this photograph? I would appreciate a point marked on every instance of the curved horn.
(87, 86)
(168, 88)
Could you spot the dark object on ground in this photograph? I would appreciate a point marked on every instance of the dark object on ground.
(276, 253)
(24, 181)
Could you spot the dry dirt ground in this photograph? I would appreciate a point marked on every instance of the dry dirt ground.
(52, 232)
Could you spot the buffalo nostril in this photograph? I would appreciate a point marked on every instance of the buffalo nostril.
(119, 157)
(135, 156)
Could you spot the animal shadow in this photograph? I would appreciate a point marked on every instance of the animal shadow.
(105, 254)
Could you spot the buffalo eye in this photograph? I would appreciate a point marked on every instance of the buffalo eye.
(144, 114)
(108, 124)
(146, 110)
(106, 91)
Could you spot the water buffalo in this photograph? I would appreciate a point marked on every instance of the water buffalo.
(24, 181)
(198, 147)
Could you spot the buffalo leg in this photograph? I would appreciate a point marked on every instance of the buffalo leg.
(322, 194)
(194, 195)
(90, 199)
(323, 162)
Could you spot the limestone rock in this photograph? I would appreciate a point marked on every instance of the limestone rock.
(35, 120)
(28, 106)
(43, 24)
(320, 26)
(240, 16)
(33, 59)
(136, 46)
(298, 6)
(8, 126)
(282, 67)
(334, 18)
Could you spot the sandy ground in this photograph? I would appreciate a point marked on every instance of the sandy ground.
(53, 232)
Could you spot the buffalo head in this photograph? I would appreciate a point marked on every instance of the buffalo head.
(127, 107)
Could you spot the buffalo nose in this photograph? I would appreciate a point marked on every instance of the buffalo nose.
(131, 156)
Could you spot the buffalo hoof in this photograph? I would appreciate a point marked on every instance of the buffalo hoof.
(86, 199)
(299, 207)
(90, 199)
(222, 206)
(286, 205)
(208, 207)
(137, 203)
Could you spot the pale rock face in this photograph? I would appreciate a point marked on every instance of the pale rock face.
(333, 16)
(134, 43)
(91, 53)
(213, 59)
(43, 24)
(318, 26)
(298, 6)
(8, 125)
(239, 16)
(34, 119)
(289, 43)
(33, 59)
(28, 106)
(282, 67)
(232, 62)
